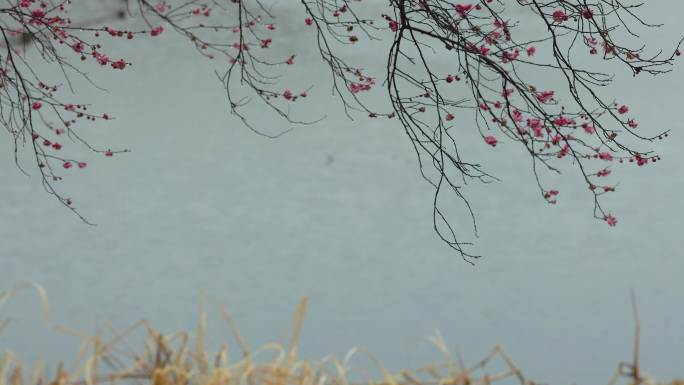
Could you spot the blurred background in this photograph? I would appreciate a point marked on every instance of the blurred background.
(337, 211)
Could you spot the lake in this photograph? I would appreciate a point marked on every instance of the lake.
(337, 211)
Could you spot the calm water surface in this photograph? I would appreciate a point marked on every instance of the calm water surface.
(337, 211)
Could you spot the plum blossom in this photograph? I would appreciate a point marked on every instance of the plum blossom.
(517, 116)
(38, 13)
(562, 121)
(550, 196)
(589, 129)
(156, 31)
(603, 173)
(559, 16)
(610, 220)
(102, 58)
(462, 9)
(536, 126)
(545, 96)
(78, 46)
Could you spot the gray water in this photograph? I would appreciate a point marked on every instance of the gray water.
(337, 211)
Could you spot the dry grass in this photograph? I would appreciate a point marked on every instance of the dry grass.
(182, 359)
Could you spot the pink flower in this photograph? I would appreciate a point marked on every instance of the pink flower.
(290, 60)
(562, 121)
(491, 140)
(605, 156)
(545, 96)
(308, 21)
(517, 116)
(82, 164)
(156, 31)
(611, 220)
(623, 110)
(535, 124)
(549, 195)
(508, 56)
(288, 95)
(492, 37)
(603, 173)
(462, 9)
(102, 58)
(56, 146)
(358, 87)
(531, 51)
(559, 16)
(449, 117)
(36, 105)
(78, 46)
(67, 165)
(588, 129)
(564, 151)
(38, 13)
(641, 161)
(109, 153)
(119, 64)
(607, 47)
(587, 13)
